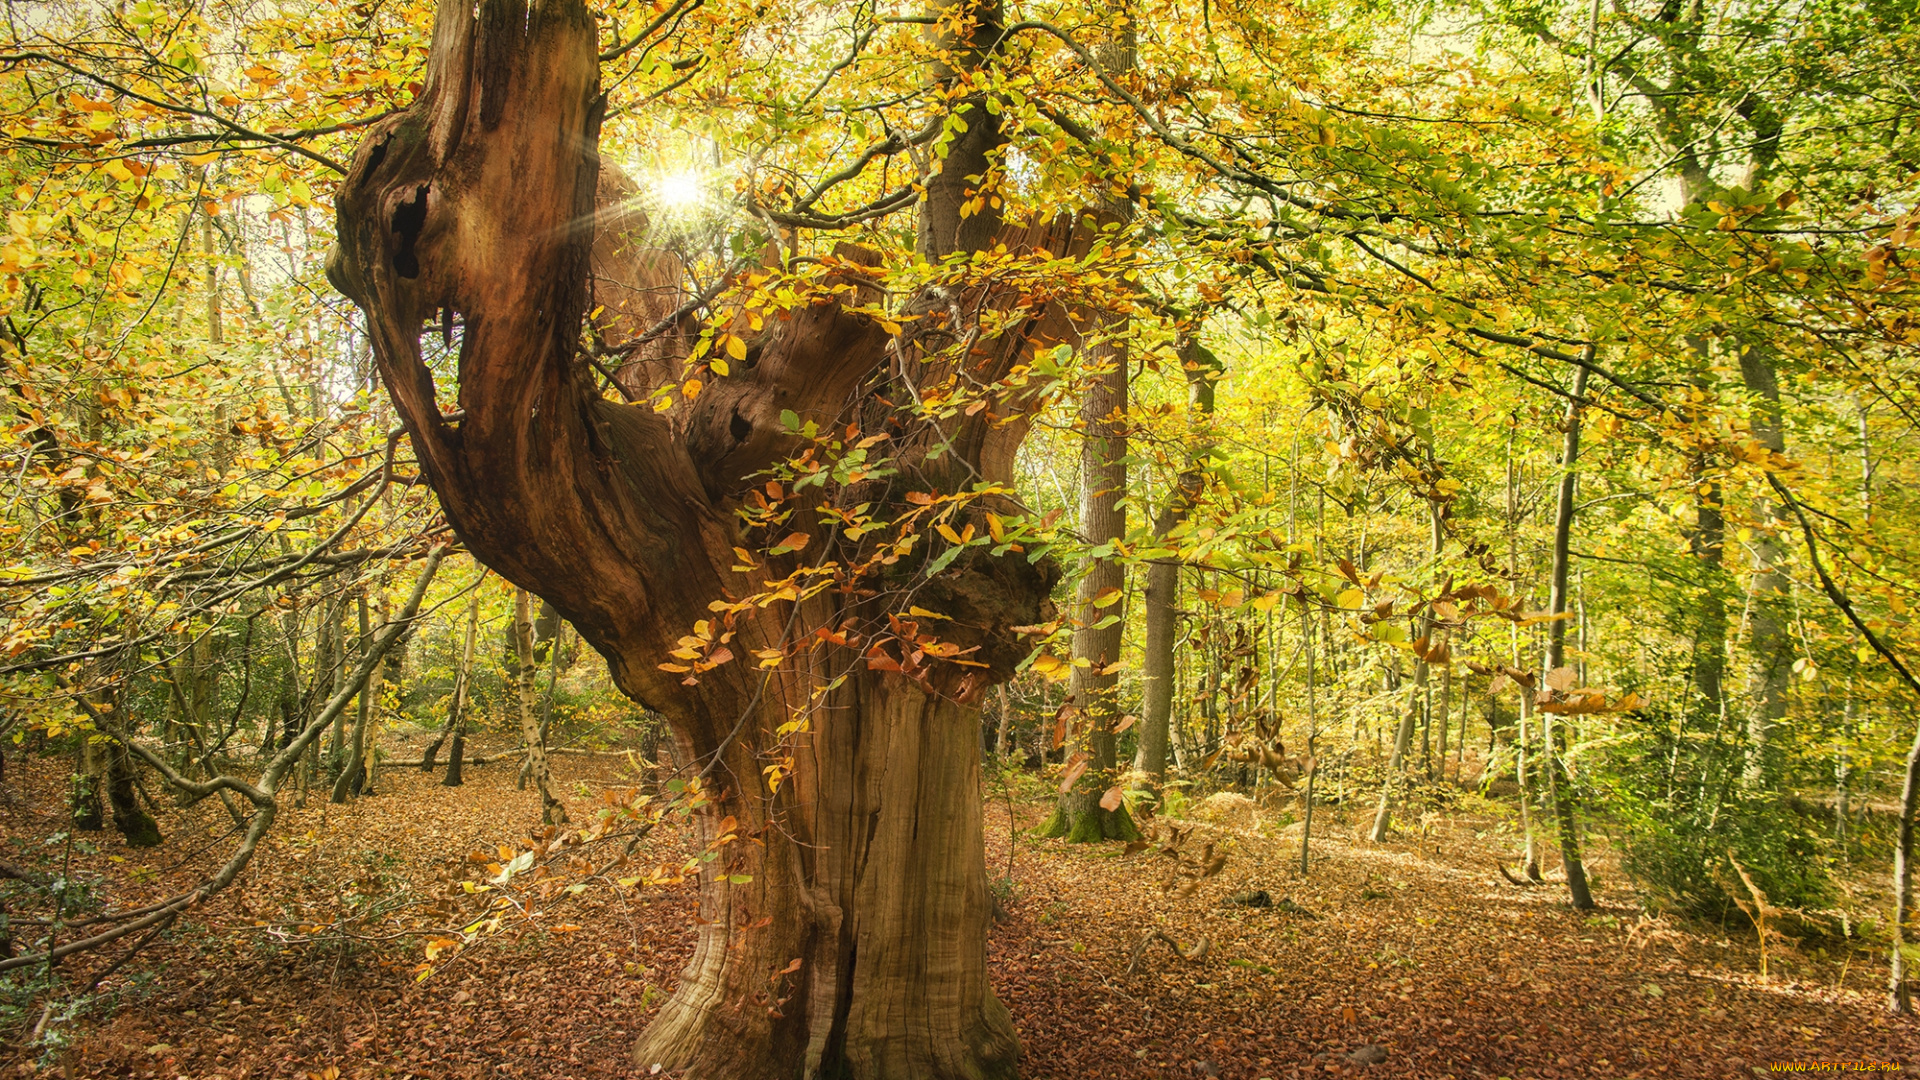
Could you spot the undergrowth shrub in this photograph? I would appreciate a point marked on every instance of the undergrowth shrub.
(1680, 816)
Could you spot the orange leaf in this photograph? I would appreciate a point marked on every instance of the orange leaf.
(1073, 773)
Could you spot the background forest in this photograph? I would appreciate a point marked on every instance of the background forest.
(1511, 406)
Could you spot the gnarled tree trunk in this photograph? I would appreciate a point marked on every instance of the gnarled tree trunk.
(476, 208)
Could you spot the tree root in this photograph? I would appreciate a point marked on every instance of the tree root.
(1198, 952)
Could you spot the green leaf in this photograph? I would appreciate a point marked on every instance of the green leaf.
(941, 562)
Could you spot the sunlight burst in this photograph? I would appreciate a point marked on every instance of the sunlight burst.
(680, 189)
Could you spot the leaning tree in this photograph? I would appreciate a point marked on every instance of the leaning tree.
(819, 648)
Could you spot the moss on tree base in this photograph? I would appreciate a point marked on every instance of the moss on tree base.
(1081, 819)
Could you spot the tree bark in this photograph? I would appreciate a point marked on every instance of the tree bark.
(865, 862)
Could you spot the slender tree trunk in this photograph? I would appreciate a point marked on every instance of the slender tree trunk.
(1162, 600)
(1707, 544)
(462, 673)
(336, 672)
(1770, 669)
(1157, 675)
(1460, 744)
(551, 810)
(352, 781)
(1842, 769)
(1099, 611)
(457, 752)
(199, 685)
(1396, 762)
(1559, 782)
(1313, 733)
(1532, 867)
(1100, 614)
(1899, 993)
(86, 785)
(1521, 777)
(288, 703)
(548, 630)
(1003, 734)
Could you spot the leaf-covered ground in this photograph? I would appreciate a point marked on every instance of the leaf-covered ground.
(1415, 954)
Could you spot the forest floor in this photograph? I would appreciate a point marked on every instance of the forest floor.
(1415, 952)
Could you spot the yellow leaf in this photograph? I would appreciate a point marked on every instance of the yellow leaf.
(946, 530)
(736, 348)
(720, 367)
